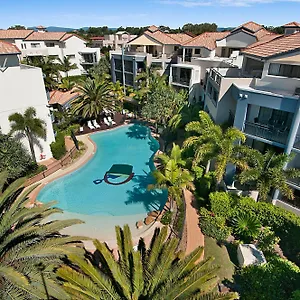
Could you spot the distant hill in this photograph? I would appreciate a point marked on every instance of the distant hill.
(59, 29)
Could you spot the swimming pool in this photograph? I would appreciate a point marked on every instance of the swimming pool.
(84, 192)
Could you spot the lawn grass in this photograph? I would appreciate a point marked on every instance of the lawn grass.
(222, 259)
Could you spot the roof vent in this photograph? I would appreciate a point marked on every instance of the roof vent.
(297, 91)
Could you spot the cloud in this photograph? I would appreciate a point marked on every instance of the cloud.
(240, 3)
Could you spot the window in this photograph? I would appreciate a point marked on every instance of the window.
(35, 45)
(22, 46)
(291, 71)
(50, 45)
(71, 56)
(197, 51)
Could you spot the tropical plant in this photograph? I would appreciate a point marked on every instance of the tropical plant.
(101, 69)
(14, 158)
(246, 226)
(267, 240)
(117, 91)
(29, 126)
(172, 176)
(94, 96)
(158, 272)
(29, 241)
(209, 141)
(186, 114)
(65, 65)
(66, 84)
(267, 171)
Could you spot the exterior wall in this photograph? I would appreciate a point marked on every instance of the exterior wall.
(22, 87)
(237, 40)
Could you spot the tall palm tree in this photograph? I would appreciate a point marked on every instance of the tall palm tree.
(29, 126)
(171, 175)
(186, 114)
(209, 141)
(28, 241)
(158, 272)
(66, 84)
(65, 65)
(266, 171)
(93, 97)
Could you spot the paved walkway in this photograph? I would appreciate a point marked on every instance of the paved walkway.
(195, 237)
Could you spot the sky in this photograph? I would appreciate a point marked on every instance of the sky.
(173, 13)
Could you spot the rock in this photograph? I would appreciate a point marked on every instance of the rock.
(139, 224)
(149, 220)
(154, 213)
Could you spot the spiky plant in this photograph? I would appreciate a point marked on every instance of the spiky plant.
(28, 241)
(209, 141)
(65, 65)
(156, 273)
(246, 226)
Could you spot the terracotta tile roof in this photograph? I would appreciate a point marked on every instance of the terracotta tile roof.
(59, 97)
(14, 34)
(97, 38)
(162, 37)
(69, 35)
(251, 26)
(265, 39)
(206, 40)
(40, 27)
(8, 48)
(292, 24)
(277, 46)
(46, 36)
(153, 28)
(180, 37)
(262, 33)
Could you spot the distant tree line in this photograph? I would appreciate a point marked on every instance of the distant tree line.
(278, 29)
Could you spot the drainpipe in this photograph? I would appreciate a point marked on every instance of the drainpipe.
(291, 140)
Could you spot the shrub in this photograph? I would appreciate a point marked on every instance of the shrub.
(296, 295)
(220, 204)
(266, 240)
(179, 221)
(58, 148)
(166, 218)
(38, 169)
(213, 226)
(204, 186)
(277, 279)
(246, 227)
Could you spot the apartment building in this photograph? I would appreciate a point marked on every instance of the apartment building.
(57, 44)
(115, 41)
(154, 48)
(22, 86)
(214, 50)
(262, 98)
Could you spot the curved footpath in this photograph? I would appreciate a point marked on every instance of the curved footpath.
(195, 237)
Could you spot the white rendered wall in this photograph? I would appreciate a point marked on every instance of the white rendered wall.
(21, 88)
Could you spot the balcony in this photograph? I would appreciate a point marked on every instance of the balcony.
(180, 80)
(87, 62)
(295, 182)
(268, 132)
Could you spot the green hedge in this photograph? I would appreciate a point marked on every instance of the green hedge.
(278, 279)
(213, 225)
(58, 148)
(285, 224)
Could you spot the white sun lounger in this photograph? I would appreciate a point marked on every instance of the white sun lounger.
(106, 122)
(90, 125)
(111, 121)
(81, 129)
(96, 124)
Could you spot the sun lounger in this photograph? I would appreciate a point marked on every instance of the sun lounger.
(106, 122)
(90, 125)
(96, 124)
(111, 121)
(81, 129)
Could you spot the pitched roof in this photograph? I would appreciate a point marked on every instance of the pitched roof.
(40, 27)
(277, 46)
(180, 37)
(251, 26)
(59, 97)
(265, 39)
(162, 37)
(97, 38)
(292, 24)
(15, 33)
(8, 48)
(206, 40)
(46, 36)
(69, 35)
(152, 28)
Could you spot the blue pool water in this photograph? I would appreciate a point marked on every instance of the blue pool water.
(77, 192)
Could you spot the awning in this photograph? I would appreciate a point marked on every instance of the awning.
(144, 41)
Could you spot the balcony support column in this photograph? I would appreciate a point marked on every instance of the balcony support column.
(291, 139)
(183, 55)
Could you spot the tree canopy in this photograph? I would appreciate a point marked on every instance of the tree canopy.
(199, 28)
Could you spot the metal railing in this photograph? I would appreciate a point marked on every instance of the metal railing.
(266, 132)
(68, 157)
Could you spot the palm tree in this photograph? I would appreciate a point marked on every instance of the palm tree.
(28, 241)
(156, 273)
(66, 84)
(211, 142)
(65, 65)
(93, 97)
(267, 171)
(186, 114)
(172, 176)
(29, 126)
